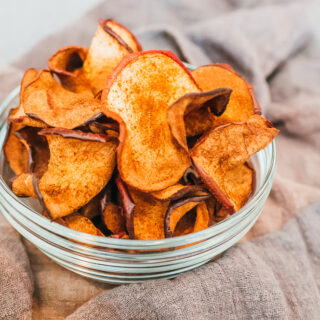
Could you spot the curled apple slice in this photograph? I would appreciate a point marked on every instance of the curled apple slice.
(15, 151)
(138, 96)
(215, 100)
(109, 45)
(46, 100)
(19, 116)
(178, 209)
(67, 64)
(77, 171)
(219, 157)
(243, 102)
(179, 191)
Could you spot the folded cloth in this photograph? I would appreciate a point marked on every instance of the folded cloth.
(276, 276)
(16, 283)
(276, 46)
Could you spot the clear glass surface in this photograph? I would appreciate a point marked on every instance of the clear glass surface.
(120, 261)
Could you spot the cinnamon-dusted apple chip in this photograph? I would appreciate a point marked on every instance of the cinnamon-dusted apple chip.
(109, 45)
(22, 185)
(215, 100)
(19, 116)
(225, 148)
(178, 209)
(82, 224)
(38, 158)
(15, 151)
(243, 102)
(78, 169)
(203, 219)
(67, 64)
(148, 216)
(138, 95)
(113, 219)
(46, 100)
(186, 224)
(179, 191)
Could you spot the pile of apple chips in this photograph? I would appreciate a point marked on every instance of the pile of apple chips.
(116, 141)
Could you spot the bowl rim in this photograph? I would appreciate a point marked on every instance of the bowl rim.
(99, 241)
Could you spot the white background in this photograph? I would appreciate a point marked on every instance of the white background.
(24, 22)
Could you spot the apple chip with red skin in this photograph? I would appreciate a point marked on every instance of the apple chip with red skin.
(38, 158)
(138, 96)
(179, 209)
(243, 102)
(216, 100)
(15, 151)
(46, 100)
(78, 169)
(67, 64)
(219, 157)
(110, 44)
(19, 116)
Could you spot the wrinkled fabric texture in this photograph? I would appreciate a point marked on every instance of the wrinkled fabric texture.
(276, 46)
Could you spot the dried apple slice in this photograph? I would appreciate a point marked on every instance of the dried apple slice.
(186, 224)
(38, 158)
(109, 45)
(216, 100)
(127, 205)
(177, 210)
(82, 224)
(19, 116)
(138, 95)
(148, 216)
(77, 171)
(22, 185)
(203, 219)
(46, 100)
(15, 151)
(226, 147)
(179, 191)
(113, 219)
(38, 150)
(67, 64)
(243, 102)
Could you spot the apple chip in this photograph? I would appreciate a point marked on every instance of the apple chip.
(138, 96)
(179, 191)
(113, 219)
(148, 216)
(19, 116)
(82, 224)
(177, 210)
(109, 45)
(78, 170)
(243, 102)
(127, 205)
(15, 151)
(203, 219)
(216, 100)
(38, 149)
(186, 224)
(67, 64)
(225, 148)
(22, 185)
(46, 100)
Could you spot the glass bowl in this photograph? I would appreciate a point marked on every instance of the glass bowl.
(119, 261)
